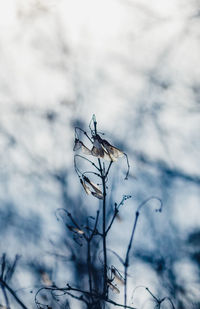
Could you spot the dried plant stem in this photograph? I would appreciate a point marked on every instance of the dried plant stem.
(86, 293)
(6, 297)
(3, 283)
(104, 238)
(103, 178)
(126, 263)
(89, 265)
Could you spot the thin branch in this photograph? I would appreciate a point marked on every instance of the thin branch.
(103, 178)
(13, 294)
(82, 157)
(104, 237)
(72, 220)
(112, 220)
(95, 226)
(151, 198)
(169, 299)
(126, 263)
(89, 265)
(117, 255)
(5, 296)
(128, 165)
(106, 174)
(156, 299)
(116, 210)
(69, 288)
(84, 132)
(160, 301)
(90, 172)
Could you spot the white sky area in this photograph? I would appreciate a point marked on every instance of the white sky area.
(117, 59)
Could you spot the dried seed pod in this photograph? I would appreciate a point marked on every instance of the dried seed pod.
(117, 276)
(92, 184)
(97, 150)
(113, 287)
(79, 145)
(103, 149)
(113, 152)
(97, 192)
(98, 195)
(85, 187)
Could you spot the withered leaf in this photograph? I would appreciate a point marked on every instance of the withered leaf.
(79, 145)
(98, 194)
(92, 184)
(114, 152)
(117, 276)
(85, 187)
(113, 288)
(103, 149)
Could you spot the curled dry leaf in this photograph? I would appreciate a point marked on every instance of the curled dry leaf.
(112, 151)
(103, 149)
(92, 185)
(85, 187)
(79, 145)
(97, 150)
(97, 193)
(117, 276)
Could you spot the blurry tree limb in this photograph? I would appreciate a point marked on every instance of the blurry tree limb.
(4, 284)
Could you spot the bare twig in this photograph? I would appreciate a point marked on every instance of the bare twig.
(126, 263)
(13, 294)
